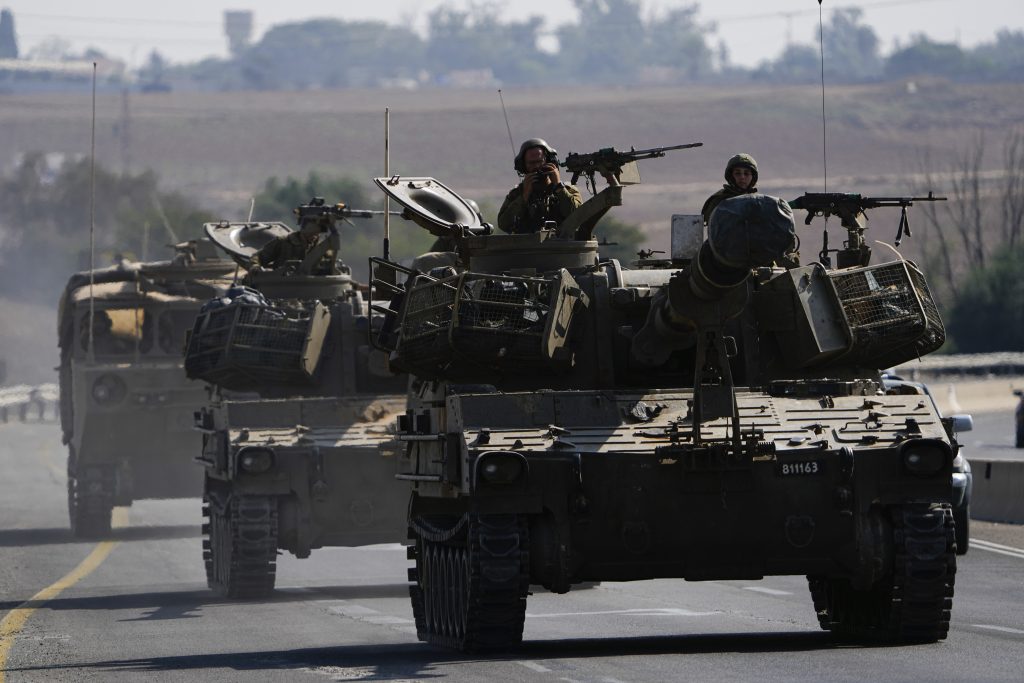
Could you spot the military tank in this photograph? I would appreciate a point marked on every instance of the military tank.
(121, 331)
(710, 416)
(300, 413)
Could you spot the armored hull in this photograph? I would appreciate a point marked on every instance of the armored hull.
(122, 382)
(715, 416)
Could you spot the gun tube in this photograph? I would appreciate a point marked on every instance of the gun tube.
(712, 290)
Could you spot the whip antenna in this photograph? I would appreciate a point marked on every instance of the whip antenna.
(92, 218)
(387, 174)
(824, 139)
(508, 127)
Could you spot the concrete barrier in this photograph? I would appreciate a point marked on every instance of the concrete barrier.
(24, 401)
(998, 493)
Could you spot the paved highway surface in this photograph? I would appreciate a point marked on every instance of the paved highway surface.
(137, 608)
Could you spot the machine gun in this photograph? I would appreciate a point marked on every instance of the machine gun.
(849, 208)
(609, 161)
(317, 211)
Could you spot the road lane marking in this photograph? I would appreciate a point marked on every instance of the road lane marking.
(766, 591)
(19, 616)
(640, 612)
(1003, 629)
(997, 548)
(534, 666)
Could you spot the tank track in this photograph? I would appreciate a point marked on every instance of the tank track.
(469, 588)
(88, 513)
(240, 546)
(913, 604)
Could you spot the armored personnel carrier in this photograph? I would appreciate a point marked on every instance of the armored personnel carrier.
(707, 417)
(121, 381)
(301, 409)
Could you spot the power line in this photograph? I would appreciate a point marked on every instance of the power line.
(806, 12)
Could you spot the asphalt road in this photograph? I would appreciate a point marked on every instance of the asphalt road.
(138, 609)
(992, 437)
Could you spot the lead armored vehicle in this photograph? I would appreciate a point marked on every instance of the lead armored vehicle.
(122, 382)
(711, 416)
(301, 410)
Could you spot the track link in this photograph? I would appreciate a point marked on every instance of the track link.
(913, 604)
(240, 546)
(469, 589)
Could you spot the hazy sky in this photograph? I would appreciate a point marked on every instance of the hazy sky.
(753, 30)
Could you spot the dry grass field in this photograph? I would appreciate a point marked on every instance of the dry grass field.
(220, 147)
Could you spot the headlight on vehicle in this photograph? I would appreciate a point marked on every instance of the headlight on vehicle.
(925, 458)
(255, 460)
(501, 467)
(108, 389)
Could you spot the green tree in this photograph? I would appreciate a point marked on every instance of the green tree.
(618, 239)
(477, 39)
(44, 221)
(677, 40)
(607, 45)
(925, 57)
(987, 315)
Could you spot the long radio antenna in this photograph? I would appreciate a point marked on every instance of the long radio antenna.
(387, 174)
(507, 126)
(824, 138)
(92, 218)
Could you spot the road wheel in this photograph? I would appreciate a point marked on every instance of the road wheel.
(89, 506)
(240, 545)
(469, 590)
(912, 604)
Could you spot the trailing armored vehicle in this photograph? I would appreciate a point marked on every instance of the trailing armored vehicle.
(122, 382)
(301, 409)
(709, 416)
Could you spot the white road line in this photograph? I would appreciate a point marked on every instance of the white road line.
(1003, 629)
(652, 612)
(766, 591)
(356, 611)
(534, 666)
(997, 548)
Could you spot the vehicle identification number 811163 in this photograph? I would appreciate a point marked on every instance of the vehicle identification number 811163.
(800, 468)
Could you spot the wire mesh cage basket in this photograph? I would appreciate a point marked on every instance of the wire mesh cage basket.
(890, 313)
(472, 321)
(241, 346)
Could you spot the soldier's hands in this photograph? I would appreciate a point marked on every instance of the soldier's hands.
(544, 176)
(553, 177)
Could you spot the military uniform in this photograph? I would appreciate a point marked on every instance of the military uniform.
(292, 247)
(730, 189)
(554, 203)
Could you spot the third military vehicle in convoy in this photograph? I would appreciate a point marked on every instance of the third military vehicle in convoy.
(301, 409)
(709, 416)
(121, 332)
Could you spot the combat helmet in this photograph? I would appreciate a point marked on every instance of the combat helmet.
(741, 160)
(550, 153)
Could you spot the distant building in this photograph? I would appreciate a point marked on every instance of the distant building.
(238, 29)
(20, 75)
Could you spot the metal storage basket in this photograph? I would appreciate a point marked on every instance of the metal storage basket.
(890, 313)
(473, 320)
(242, 346)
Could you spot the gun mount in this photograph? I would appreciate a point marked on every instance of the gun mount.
(610, 162)
(850, 209)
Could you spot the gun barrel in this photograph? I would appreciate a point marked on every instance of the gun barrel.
(367, 213)
(655, 150)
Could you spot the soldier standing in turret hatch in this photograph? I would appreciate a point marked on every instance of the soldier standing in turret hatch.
(740, 178)
(541, 196)
(295, 246)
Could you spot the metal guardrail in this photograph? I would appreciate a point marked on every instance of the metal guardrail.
(26, 401)
(1002, 363)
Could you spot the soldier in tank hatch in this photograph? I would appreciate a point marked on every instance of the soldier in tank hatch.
(541, 196)
(740, 178)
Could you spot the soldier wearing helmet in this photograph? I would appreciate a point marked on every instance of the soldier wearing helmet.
(740, 178)
(541, 196)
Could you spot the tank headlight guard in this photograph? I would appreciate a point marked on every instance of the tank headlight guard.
(926, 458)
(501, 467)
(255, 460)
(108, 389)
